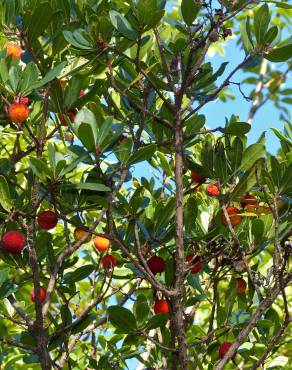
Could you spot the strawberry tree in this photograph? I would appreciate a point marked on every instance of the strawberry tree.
(135, 233)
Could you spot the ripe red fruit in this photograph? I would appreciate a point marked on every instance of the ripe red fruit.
(14, 50)
(156, 264)
(223, 349)
(47, 220)
(43, 294)
(196, 177)
(196, 263)
(248, 200)
(13, 242)
(212, 190)
(161, 306)
(233, 214)
(240, 286)
(18, 112)
(109, 261)
(24, 101)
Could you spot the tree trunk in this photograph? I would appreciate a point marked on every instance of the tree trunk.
(177, 306)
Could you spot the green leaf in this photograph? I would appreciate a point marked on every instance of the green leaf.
(39, 168)
(261, 23)
(164, 164)
(239, 317)
(15, 76)
(29, 77)
(53, 73)
(104, 131)
(281, 136)
(83, 324)
(248, 46)
(246, 182)
(189, 11)
(122, 319)
(142, 154)
(220, 163)
(122, 25)
(280, 54)
(257, 230)
(276, 171)
(194, 124)
(279, 361)
(86, 136)
(39, 20)
(4, 272)
(250, 155)
(157, 321)
(74, 38)
(79, 274)
(4, 71)
(237, 128)
(279, 4)
(271, 35)
(141, 308)
(194, 281)
(5, 197)
(7, 288)
(87, 186)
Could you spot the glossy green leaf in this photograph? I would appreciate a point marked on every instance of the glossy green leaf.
(281, 54)
(261, 23)
(142, 154)
(122, 318)
(5, 197)
(157, 321)
(79, 274)
(122, 25)
(189, 11)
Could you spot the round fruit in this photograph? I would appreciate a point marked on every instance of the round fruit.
(234, 216)
(101, 243)
(156, 264)
(18, 112)
(13, 242)
(109, 261)
(223, 349)
(14, 50)
(196, 263)
(24, 101)
(197, 177)
(248, 200)
(240, 286)
(47, 220)
(81, 233)
(161, 306)
(42, 295)
(212, 190)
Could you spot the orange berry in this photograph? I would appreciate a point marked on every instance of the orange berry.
(18, 112)
(14, 50)
(101, 243)
(240, 286)
(80, 233)
(233, 214)
(212, 190)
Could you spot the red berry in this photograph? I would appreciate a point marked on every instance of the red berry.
(212, 190)
(223, 349)
(156, 264)
(109, 261)
(196, 263)
(24, 101)
(42, 295)
(13, 242)
(248, 200)
(196, 177)
(233, 214)
(240, 286)
(161, 306)
(18, 112)
(47, 220)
